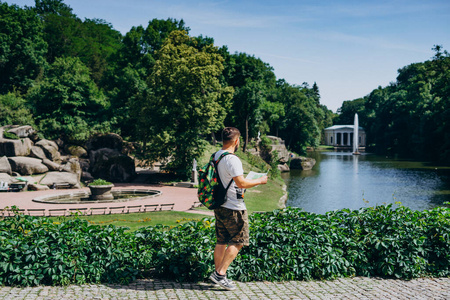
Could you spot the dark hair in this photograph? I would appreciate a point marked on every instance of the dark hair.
(230, 133)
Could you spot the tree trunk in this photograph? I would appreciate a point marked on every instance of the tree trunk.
(246, 134)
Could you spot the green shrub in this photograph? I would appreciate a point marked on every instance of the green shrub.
(36, 251)
(10, 135)
(100, 182)
(288, 244)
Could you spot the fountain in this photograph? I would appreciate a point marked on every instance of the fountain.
(356, 136)
(85, 197)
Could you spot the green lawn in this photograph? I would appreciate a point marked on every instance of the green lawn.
(137, 220)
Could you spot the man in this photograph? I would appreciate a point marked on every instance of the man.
(232, 230)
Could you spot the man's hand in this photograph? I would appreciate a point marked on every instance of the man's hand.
(263, 180)
(244, 183)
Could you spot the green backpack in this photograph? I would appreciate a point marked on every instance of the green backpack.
(211, 191)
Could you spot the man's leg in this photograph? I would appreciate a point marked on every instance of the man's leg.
(219, 253)
(230, 254)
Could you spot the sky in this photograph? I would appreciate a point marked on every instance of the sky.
(348, 47)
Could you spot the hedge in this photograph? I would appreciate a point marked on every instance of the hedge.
(288, 244)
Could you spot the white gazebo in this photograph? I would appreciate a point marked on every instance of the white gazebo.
(342, 136)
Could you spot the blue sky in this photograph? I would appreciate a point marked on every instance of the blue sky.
(348, 47)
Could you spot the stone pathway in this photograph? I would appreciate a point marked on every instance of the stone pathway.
(344, 288)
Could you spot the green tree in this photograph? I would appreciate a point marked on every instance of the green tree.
(184, 102)
(410, 117)
(304, 117)
(14, 110)
(346, 113)
(94, 41)
(252, 79)
(22, 48)
(67, 103)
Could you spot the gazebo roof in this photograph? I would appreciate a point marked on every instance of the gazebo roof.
(340, 127)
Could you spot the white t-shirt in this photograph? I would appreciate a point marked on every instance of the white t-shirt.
(231, 166)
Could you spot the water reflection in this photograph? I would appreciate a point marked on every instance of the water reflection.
(342, 180)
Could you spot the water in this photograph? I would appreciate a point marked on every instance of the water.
(342, 180)
(83, 197)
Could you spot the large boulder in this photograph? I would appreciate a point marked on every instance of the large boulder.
(50, 149)
(52, 166)
(20, 147)
(27, 165)
(72, 166)
(109, 164)
(5, 167)
(74, 150)
(37, 152)
(6, 178)
(22, 131)
(111, 141)
(59, 178)
(283, 168)
(37, 187)
(302, 163)
(85, 164)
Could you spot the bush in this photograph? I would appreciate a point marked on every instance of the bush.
(99, 182)
(288, 244)
(36, 251)
(10, 135)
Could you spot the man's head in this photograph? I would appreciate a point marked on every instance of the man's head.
(230, 136)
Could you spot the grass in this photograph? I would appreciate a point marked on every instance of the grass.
(137, 220)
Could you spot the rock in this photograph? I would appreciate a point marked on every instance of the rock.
(109, 164)
(5, 178)
(111, 141)
(50, 149)
(72, 166)
(84, 164)
(21, 147)
(27, 165)
(283, 168)
(60, 177)
(77, 151)
(52, 166)
(302, 163)
(37, 187)
(22, 131)
(37, 152)
(86, 177)
(101, 155)
(5, 167)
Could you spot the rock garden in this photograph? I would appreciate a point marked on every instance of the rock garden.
(27, 157)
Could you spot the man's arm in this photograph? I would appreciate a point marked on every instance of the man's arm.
(243, 183)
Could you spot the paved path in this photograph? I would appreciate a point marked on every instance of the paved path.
(347, 288)
(183, 198)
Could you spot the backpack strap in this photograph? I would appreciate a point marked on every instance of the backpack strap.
(216, 163)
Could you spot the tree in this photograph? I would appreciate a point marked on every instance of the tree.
(184, 102)
(22, 48)
(14, 110)
(252, 80)
(410, 117)
(67, 103)
(346, 113)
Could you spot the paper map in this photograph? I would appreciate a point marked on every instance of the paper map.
(254, 175)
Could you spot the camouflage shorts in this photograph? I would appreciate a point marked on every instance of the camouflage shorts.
(231, 226)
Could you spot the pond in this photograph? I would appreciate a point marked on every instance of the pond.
(342, 180)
